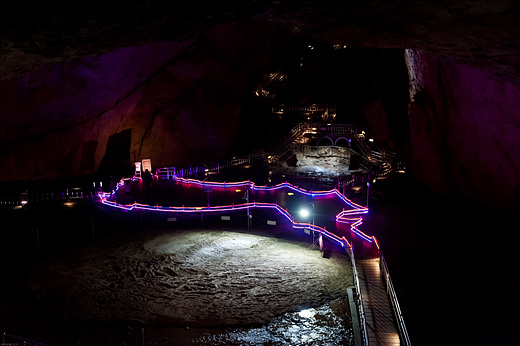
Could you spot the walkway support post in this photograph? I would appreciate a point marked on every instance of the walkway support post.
(248, 212)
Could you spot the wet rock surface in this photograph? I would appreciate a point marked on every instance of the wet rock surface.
(211, 279)
(328, 324)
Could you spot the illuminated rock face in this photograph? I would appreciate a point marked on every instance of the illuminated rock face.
(329, 160)
(71, 110)
(465, 130)
(172, 102)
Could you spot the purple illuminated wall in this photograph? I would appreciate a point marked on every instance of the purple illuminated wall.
(465, 130)
(180, 100)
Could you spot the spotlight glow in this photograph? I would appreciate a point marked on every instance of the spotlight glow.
(307, 313)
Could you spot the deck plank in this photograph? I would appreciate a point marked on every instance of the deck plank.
(380, 321)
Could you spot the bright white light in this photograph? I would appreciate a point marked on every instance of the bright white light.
(304, 213)
(307, 313)
(24, 202)
(370, 140)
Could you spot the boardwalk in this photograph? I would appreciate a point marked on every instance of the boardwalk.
(380, 322)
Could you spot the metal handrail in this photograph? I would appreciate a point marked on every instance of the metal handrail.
(170, 172)
(359, 300)
(315, 229)
(304, 108)
(13, 199)
(285, 146)
(24, 341)
(403, 332)
(282, 149)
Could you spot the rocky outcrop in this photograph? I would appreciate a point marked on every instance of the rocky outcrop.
(331, 160)
(172, 102)
(58, 120)
(465, 129)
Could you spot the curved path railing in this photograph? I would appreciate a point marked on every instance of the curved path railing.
(351, 216)
(345, 216)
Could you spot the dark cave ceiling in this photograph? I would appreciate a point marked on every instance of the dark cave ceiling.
(481, 32)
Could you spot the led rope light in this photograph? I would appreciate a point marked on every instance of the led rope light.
(342, 217)
(331, 236)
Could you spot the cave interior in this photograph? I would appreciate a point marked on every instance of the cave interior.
(89, 88)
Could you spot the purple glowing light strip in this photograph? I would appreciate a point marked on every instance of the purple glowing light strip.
(341, 217)
(295, 188)
(331, 236)
(183, 209)
(212, 183)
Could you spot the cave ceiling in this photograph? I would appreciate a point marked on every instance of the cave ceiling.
(484, 33)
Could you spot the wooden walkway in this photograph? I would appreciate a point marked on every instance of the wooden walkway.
(380, 321)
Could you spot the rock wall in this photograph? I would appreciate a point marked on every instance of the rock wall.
(465, 129)
(323, 159)
(57, 120)
(173, 102)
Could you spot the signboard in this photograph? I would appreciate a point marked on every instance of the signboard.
(224, 217)
(137, 169)
(272, 223)
(147, 165)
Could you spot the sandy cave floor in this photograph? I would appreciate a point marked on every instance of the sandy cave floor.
(204, 279)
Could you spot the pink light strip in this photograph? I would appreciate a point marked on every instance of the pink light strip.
(253, 186)
(342, 217)
(331, 236)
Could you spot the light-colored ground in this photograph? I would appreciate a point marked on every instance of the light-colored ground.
(204, 278)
